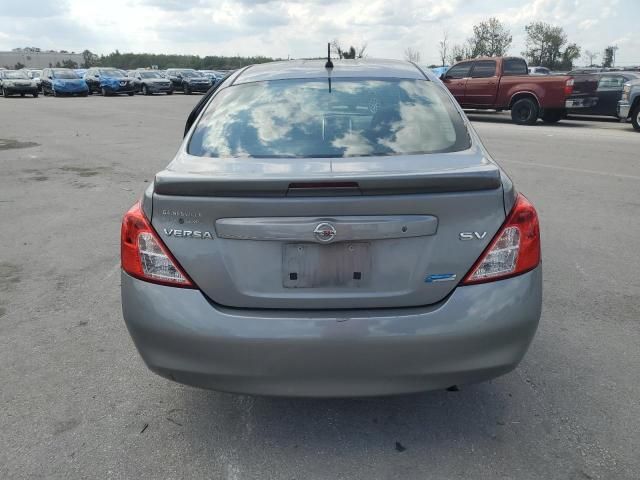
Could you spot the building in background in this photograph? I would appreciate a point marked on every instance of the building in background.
(36, 58)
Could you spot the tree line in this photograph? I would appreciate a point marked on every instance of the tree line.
(546, 46)
(130, 61)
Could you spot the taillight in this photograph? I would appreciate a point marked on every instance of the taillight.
(568, 87)
(514, 250)
(144, 256)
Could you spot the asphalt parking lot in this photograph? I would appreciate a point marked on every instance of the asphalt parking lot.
(76, 400)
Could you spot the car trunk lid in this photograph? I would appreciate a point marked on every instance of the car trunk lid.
(328, 233)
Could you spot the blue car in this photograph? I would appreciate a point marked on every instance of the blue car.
(62, 81)
(109, 81)
(439, 71)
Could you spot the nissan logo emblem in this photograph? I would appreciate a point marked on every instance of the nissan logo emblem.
(325, 232)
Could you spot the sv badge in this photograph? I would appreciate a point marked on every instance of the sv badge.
(472, 235)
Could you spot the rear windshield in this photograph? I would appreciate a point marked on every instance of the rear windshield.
(312, 118)
(15, 75)
(112, 73)
(150, 75)
(64, 74)
(189, 73)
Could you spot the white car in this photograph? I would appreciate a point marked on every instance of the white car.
(539, 71)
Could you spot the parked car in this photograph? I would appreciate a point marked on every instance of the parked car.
(35, 75)
(504, 83)
(150, 81)
(213, 75)
(109, 81)
(334, 231)
(188, 80)
(439, 71)
(136, 83)
(585, 71)
(17, 82)
(603, 99)
(629, 104)
(539, 71)
(63, 81)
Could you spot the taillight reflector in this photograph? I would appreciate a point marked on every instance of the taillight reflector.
(514, 250)
(568, 87)
(144, 256)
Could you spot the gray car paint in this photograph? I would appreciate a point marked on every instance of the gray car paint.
(477, 333)
(246, 273)
(235, 272)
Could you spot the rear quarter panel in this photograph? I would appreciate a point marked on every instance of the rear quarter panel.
(548, 90)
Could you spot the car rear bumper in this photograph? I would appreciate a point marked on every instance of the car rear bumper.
(116, 90)
(623, 109)
(580, 102)
(477, 333)
(159, 88)
(71, 90)
(20, 89)
(204, 87)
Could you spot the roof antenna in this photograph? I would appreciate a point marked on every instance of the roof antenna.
(329, 63)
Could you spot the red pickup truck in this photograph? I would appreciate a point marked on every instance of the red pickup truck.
(504, 83)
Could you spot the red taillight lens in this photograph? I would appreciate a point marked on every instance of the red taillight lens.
(568, 87)
(514, 250)
(144, 256)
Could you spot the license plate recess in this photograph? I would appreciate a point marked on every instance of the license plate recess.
(309, 265)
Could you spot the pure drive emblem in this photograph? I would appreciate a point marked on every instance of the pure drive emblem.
(170, 232)
(325, 232)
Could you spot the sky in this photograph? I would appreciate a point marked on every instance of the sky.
(301, 28)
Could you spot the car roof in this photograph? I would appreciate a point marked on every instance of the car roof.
(618, 72)
(359, 68)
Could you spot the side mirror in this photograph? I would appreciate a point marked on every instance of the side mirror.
(50, 77)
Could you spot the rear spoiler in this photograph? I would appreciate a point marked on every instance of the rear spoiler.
(485, 177)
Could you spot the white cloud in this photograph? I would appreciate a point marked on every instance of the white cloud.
(588, 23)
(301, 28)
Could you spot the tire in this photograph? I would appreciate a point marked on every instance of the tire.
(104, 92)
(35, 95)
(170, 92)
(22, 95)
(145, 90)
(4, 93)
(131, 94)
(55, 94)
(186, 90)
(525, 112)
(84, 94)
(552, 116)
(635, 117)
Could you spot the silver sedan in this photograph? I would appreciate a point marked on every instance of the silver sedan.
(331, 229)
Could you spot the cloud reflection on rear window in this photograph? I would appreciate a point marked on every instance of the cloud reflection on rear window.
(302, 118)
